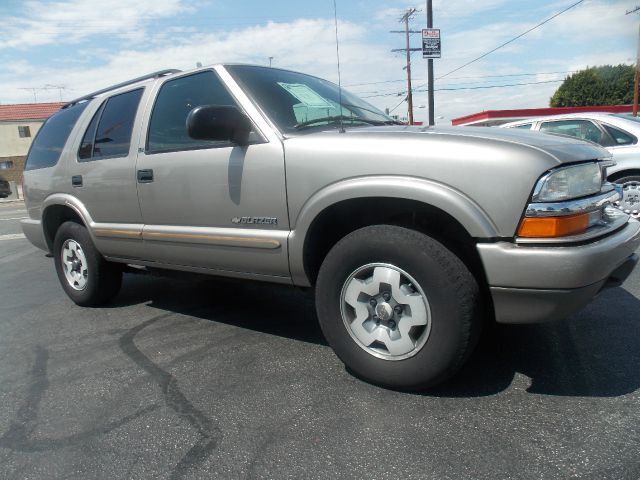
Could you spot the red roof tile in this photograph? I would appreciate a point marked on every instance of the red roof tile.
(29, 111)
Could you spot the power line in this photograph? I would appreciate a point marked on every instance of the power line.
(531, 74)
(479, 87)
(510, 41)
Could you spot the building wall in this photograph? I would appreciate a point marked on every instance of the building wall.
(11, 144)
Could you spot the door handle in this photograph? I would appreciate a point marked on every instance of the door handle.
(76, 181)
(145, 176)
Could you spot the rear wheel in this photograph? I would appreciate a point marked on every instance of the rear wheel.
(398, 307)
(86, 277)
(630, 202)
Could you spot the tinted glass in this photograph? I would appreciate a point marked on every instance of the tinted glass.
(297, 102)
(582, 129)
(620, 137)
(47, 146)
(113, 136)
(168, 124)
(524, 126)
(86, 147)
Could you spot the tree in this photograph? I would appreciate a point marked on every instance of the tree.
(606, 85)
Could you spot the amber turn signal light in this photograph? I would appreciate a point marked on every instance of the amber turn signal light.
(547, 227)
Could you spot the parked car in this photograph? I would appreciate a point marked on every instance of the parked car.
(409, 236)
(617, 133)
(5, 188)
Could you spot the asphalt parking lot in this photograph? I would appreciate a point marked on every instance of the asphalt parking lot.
(206, 378)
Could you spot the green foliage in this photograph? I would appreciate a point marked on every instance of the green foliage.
(606, 85)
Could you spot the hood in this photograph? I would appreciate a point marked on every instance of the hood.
(563, 149)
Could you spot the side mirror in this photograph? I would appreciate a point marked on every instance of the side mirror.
(219, 122)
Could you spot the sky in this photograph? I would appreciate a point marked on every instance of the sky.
(65, 49)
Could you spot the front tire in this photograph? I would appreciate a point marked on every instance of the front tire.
(397, 307)
(630, 202)
(86, 277)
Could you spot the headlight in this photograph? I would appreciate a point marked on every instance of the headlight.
(569, 182)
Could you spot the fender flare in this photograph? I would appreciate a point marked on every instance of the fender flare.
(451, 201)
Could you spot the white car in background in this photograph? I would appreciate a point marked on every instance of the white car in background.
(617, 133)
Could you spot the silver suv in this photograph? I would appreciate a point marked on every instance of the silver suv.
(410, 236)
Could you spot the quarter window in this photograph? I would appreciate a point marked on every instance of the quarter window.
(583, 129)
(47, 146)
(167, 126)
(524, 126)
(620, 137)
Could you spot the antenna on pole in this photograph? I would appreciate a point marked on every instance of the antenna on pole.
(335, 20)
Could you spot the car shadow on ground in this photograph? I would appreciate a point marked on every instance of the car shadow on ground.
(594, 353)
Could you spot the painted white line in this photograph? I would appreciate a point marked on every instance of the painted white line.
(13, 218)
(12, 236)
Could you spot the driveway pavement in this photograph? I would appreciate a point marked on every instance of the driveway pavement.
(205, 378)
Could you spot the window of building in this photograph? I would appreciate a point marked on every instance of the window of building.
(24, 131)
(6, 165)
(167, 127)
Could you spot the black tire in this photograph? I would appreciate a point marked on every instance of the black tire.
(630, 178)
(450, 288)
(103, 279)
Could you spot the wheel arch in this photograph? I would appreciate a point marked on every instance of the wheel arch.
(60, 208)
(426, 206)
(628, 172)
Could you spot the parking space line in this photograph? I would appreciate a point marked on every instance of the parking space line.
(12, 236)
(13, 218)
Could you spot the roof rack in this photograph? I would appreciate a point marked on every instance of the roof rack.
(160, 73)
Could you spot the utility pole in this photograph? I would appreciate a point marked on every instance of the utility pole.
(430, 68)
(405, 18)
(637, 74)
(270, 60)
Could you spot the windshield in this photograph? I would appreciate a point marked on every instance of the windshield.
(296, 102)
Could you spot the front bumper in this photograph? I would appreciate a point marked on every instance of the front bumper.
(531, 284)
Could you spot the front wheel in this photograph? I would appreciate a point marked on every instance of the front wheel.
(86, 277)
(630, 201)
(397, 306)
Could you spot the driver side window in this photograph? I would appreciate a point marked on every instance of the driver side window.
(176, 98)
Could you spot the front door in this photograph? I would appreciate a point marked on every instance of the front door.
(214, 205)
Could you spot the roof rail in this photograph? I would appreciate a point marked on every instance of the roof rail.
(160, 73)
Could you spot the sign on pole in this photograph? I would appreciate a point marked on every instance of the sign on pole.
(431, 47)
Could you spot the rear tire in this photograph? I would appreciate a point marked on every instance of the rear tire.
(378, 277)
(86, 277)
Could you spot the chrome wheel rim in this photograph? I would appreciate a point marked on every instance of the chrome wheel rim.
(385, 311)
(630, 201)
(74, 265)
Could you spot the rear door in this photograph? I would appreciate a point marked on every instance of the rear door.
(103, 174)
(211, 204)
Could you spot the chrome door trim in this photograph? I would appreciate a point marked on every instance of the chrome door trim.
(227, 237)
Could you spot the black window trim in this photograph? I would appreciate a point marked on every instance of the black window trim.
(260, 140)
(101, 110)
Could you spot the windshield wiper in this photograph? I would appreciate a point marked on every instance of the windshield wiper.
(336, 118)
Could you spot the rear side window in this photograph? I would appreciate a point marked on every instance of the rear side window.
(113, 132)
(47, 146)
(620, 137)
(168, 124)
(582, 129)
(524, 126)
(86, 147)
